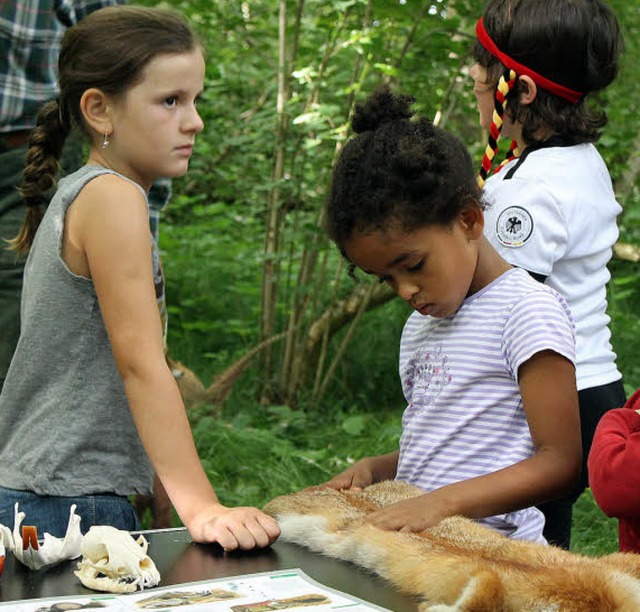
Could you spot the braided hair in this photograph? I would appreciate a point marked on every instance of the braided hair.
(42, 167)
(397, 171)
(505, 86)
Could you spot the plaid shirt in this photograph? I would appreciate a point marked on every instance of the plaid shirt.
(30, 35)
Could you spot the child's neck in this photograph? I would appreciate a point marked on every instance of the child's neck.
(490, 267)
(541, 135)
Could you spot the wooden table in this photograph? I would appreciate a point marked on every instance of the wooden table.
(180, 560)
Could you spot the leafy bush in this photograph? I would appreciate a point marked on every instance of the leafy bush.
(213, 232)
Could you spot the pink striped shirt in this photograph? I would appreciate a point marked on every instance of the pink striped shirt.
(459, 375)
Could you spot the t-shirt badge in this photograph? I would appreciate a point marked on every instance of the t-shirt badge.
(514, 226)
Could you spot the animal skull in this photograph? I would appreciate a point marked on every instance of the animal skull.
(113, 561)
(29, 552)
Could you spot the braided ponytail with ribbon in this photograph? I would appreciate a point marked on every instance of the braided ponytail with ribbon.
(504, 88)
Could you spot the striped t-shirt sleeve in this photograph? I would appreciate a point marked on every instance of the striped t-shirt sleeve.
(539, 321)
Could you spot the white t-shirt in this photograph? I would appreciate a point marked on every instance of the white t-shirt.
(459, 375)
(555, 215)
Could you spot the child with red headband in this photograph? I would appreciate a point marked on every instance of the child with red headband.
(551, 206)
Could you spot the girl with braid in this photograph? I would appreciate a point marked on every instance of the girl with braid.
(487, 357)
(551, 207)
(90, 409)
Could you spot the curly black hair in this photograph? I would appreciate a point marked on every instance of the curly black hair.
(397, 171)
(575, 43)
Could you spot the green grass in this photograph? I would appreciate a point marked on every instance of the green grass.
(212, 235)
(593, 533)
(253, 455)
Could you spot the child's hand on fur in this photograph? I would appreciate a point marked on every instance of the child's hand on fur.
(357, 477)
(365, 472)
(416, 515)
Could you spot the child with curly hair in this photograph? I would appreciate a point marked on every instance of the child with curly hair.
(486, 358)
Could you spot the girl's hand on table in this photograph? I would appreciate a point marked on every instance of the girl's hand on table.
(242, 528)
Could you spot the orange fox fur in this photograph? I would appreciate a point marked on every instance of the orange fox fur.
(458, 564)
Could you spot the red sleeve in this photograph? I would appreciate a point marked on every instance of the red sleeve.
(614, 461)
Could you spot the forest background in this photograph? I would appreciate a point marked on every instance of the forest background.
(298, 362)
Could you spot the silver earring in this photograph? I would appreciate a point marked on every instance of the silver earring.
(105, 140)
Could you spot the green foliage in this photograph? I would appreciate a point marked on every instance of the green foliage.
(213, 232)
(254, 455)
(219, 213)
(623, 297)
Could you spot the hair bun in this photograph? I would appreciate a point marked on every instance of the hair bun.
(381, 107)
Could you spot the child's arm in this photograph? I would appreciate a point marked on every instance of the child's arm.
(614, 461)
(366, 472)
(547, 384)
(113, 233)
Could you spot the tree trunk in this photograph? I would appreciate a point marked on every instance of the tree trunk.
(270, 267)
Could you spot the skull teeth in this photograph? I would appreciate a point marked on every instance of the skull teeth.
(29, 537)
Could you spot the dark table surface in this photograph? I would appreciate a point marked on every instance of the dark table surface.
(180, 560)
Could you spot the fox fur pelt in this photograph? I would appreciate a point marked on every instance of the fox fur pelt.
(458, 564)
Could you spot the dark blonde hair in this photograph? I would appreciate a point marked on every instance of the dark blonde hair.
(109, 50)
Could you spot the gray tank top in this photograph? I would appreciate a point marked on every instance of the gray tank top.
(65, 424)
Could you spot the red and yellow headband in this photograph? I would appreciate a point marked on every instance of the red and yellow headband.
(538, 79)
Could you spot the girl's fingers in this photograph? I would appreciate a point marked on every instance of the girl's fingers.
(225, 537)
(246, 529)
